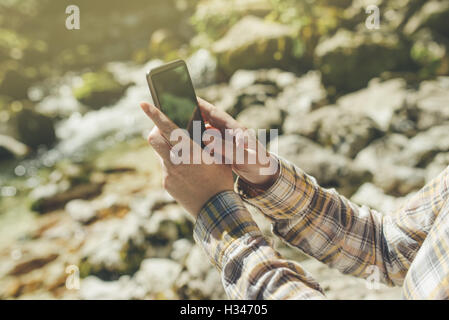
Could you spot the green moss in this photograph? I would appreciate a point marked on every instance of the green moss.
(99, 89)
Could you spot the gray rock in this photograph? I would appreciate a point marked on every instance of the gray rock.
(181, 250)
(390, 161)
(346, 133)
(81, 211)
(202, 68)
(93, 288)
(423, 147)
(330, 169)
(259, 117)
(381, 101)
(438, 165)
(158, 277)
(113, 248)
(432, 100)
(301, 95)
(375, 198)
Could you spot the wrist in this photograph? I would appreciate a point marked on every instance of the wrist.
(260, 179)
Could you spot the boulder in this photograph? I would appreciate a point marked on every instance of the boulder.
(259, 117)
(28, 127)
(346, 133)
(93, 288)
(387, 103)
(254, 43)
(437, 166)
(215, 17)
(55, 196)
(115, 247)
(433, 15)
(357, 58)
(422, 148)
(429, 54)
(158, 277)
(432, 100)
(388, 161)
(299, 95)
(375, 198)
(99, 89)
(329, 168)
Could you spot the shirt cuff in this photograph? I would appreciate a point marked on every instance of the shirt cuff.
(290, 195)
(222, 224)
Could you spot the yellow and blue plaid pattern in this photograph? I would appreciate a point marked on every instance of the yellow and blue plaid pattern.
(409, 247)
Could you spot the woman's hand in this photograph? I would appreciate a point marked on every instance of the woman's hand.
(192, 185)
(260, 173)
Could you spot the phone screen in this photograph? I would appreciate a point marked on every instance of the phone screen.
(177, 97)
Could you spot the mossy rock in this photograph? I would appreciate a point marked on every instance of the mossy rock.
(254, 43)
(99, 89)
(349, 60)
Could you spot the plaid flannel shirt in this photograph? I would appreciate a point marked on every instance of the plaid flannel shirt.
(409, 248)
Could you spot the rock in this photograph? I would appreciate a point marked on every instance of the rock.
(155, 200)
(433, 15)
(53, 197)
(169, 224)
(158, 277)
(431, 98)
(422, 148)
(346, 133)
(258, 117)
(197, 262)
(181, 250)
(213, 17)
(208, 288)
(357, 58)
(399, 180)
(430, 54)
(254, 43)
(10, 147)
(330, 169)
(115, 247)
(29, 127)
(388, 161)
(93, 288)
(99, 89)
(381, 101)
(164, 43)
(438, 165)
(300, 95)
(374, 197)
(221, 95)
(81, 211)
(202, 68)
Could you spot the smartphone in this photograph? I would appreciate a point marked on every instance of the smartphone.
(173, 93)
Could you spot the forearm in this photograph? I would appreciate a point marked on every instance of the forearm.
(249, 266)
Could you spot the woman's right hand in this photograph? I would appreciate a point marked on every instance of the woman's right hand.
(264, 171)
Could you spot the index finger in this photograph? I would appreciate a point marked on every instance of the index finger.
(165, 125)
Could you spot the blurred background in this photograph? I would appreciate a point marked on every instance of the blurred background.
(82, 214)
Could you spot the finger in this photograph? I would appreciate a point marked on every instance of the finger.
(165, 125)
(160, 144)
(217, 118)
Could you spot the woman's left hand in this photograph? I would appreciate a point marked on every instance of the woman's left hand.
(192, 185)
